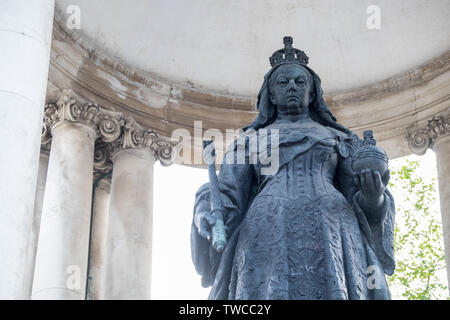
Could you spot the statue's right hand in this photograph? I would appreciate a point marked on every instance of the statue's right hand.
(204, 222)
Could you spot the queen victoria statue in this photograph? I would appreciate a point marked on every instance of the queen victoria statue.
(320, 225)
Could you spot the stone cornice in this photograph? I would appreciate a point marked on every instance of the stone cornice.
(114, 130)
(420, 138)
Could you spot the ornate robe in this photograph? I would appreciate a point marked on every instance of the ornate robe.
(299, 233)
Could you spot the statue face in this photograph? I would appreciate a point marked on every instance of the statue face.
(290, 89)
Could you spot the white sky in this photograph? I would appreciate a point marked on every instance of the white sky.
(173, 274)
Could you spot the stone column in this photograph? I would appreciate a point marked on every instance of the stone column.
(129, 238)
(25, 36)
(38, 202)
(96, 276)
(61, 261)
(129, 244)
(63, 246)
(436, 135)
(442, 149)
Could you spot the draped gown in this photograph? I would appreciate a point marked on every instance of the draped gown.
(299, 233)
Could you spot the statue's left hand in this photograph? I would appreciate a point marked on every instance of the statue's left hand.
(372, 186)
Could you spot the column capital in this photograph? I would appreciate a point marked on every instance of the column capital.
(71, 108)
(420, 138)
(135, 136)
(114, 130)
(102, 161)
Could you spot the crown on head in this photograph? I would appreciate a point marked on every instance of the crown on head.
(288, 54)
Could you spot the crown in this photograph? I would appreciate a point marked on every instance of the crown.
(288, 54)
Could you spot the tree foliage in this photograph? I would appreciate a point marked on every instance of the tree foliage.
(420, 259)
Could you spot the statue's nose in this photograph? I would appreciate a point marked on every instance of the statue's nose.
(291, 86)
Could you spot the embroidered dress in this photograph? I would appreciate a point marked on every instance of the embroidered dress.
(299, 233)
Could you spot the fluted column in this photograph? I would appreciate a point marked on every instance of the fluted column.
(436, 135)
(25, 36)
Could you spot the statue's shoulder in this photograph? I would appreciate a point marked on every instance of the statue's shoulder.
(347, 142)
(348, 137)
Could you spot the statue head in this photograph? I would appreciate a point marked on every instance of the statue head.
(291, 88)
(293, 62)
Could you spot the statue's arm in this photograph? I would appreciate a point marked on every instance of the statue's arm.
(235, 183)
(367, 189)
(374, 206)
(204, 258)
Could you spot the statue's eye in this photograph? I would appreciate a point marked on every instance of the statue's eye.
(300, 81)
(283, 82)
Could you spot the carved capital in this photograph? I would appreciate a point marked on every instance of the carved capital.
(422, 138)
(109, 124)
(134, 136)
(67, 108)
(115, 131)
(166, 150)
(102, 161)
(70, 108)
(50, 117)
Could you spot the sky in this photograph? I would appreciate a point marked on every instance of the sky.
(173, 273)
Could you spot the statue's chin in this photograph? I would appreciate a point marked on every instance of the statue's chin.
(294, 109)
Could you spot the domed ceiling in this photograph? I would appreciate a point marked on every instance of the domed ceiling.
(223, 45)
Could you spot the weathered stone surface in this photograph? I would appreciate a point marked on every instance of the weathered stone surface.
(61, 260)
(129, 237)
(99, 228)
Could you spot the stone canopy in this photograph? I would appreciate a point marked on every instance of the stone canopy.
(89, 106)
(386, 81)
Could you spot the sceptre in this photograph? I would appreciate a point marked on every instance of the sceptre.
(219, 237)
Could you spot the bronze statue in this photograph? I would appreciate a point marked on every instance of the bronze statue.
(321, 226)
